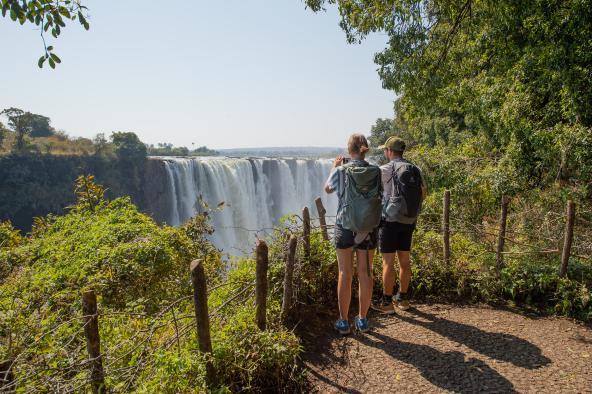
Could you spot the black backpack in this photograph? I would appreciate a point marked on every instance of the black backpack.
(404, 203)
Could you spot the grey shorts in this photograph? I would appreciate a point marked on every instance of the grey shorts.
(344, 239)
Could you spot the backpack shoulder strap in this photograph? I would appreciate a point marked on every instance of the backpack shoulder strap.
(351, 164)
(342, 180)
(379, 179)
(394, 178)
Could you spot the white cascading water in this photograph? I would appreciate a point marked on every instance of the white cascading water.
(255, 192)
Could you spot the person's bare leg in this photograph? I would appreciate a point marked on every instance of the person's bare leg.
(404, 270)
(366, 283)
(388, 273)
(344, 283)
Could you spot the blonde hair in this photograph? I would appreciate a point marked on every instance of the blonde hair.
(357, 143)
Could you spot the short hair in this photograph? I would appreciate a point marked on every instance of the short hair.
(400, 152)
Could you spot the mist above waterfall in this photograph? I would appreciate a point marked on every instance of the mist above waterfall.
(256, 193)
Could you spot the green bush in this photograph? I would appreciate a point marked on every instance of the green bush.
(9, 239)
(315, 278)
(527, 278)
(139, 271)
(537, 282)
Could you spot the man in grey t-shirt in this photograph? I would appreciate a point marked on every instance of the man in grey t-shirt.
(394, 237)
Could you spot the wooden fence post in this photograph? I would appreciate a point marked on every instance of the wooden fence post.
(288, 293)
(7, 377)
(306, 232)
(446, 226)
(322, 211)
(93, 341)
(261, 283)
(501, 239)
(569, 226)
(202, 318)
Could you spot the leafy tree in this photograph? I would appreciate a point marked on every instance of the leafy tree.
(48, 16)
(204, 151)
(40, 126)
(515, 76)
(167, 149)
(128, 146)
(100, 143)
(182, 151)
(20, 122)
(380, 131)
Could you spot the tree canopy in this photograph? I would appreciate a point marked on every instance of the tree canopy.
(128, 146)
(40, 126)
(167, 149)
(23, 124)
(516, 76)
(20, 123)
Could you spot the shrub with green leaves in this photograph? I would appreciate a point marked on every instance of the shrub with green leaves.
(140, 273)
(9, 239)
(528, 276)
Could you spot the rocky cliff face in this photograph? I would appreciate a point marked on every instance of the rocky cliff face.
(156, 193)
(33, 186)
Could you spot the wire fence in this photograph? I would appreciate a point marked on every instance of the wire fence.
(123, 355)
(60, 359)
(523, 236)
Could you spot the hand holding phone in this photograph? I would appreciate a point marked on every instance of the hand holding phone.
(340, 160)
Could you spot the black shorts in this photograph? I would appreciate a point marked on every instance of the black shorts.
(344, 239)
(395, 236)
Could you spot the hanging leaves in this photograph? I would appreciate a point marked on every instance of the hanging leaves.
(48, 16)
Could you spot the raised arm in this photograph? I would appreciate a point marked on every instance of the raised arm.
(333, 181)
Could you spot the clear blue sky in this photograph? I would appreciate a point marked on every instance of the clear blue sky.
(226, 73)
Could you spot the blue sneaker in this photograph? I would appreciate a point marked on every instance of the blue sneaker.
(342, 326)
(362, 324)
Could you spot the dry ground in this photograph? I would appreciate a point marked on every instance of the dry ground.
(440, 348)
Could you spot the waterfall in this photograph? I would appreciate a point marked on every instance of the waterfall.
(256, 194)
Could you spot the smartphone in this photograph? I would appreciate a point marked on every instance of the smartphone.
(345, 160)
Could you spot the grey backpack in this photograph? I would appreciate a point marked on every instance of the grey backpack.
(404, 203)
(362, 198)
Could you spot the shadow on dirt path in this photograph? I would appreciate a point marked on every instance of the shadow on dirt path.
(450, 371)
(439, 348)
(499, 346)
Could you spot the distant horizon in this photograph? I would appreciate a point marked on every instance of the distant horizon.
(281, 147)
(266, 152)
(3, 120)
(283, 151)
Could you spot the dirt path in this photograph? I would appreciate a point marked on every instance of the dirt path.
(439, 348)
